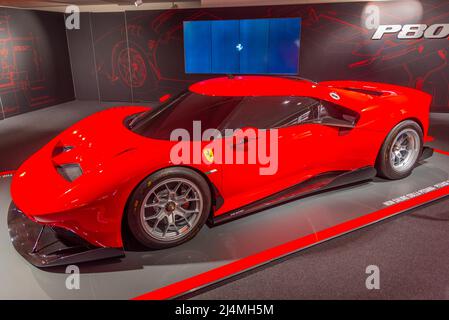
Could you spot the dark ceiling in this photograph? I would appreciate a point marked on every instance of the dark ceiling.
(58, 3)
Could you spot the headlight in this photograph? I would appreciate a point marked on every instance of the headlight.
(70, 172)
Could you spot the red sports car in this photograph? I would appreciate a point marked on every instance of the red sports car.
(113, 171)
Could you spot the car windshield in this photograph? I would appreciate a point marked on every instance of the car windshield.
(212, 112)
(181, 112)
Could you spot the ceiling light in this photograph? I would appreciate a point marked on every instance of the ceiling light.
(138, 3)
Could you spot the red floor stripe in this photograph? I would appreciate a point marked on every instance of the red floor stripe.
(243, 264)
(233, 268)
(442, 152)
(6, 173)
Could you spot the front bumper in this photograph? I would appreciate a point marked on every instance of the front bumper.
(47, 246)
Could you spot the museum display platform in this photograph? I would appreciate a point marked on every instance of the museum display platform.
(226, 250)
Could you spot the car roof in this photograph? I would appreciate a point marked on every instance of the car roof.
(256, 86)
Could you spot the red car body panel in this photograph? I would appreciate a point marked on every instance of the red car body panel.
(115, 160)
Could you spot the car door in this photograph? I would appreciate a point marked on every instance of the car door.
(294, 147)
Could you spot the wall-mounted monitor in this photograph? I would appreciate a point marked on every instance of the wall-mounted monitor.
(251, 46)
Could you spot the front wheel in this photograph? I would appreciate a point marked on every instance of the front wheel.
(400, 151)
(169, 208)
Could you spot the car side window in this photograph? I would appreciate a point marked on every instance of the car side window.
(272, 112)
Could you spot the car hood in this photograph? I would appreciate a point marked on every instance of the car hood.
(97, 144)
(97, 139)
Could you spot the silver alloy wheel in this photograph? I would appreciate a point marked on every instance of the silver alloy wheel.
(404, 151)
(171, 209)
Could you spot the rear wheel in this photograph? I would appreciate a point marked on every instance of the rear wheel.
(400, 151)
(169, 208)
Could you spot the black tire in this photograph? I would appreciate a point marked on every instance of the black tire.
(384, 167)
(136, 224)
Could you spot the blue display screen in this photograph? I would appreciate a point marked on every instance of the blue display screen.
(252, 46)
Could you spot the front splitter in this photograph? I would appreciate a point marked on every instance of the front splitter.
(45, 246)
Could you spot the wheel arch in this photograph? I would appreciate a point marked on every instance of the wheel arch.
(414, 119)
(419, 122)
(216, 198)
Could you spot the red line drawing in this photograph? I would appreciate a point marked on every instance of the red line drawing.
(22, 81)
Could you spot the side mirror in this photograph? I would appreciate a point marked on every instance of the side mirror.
(333, 122)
